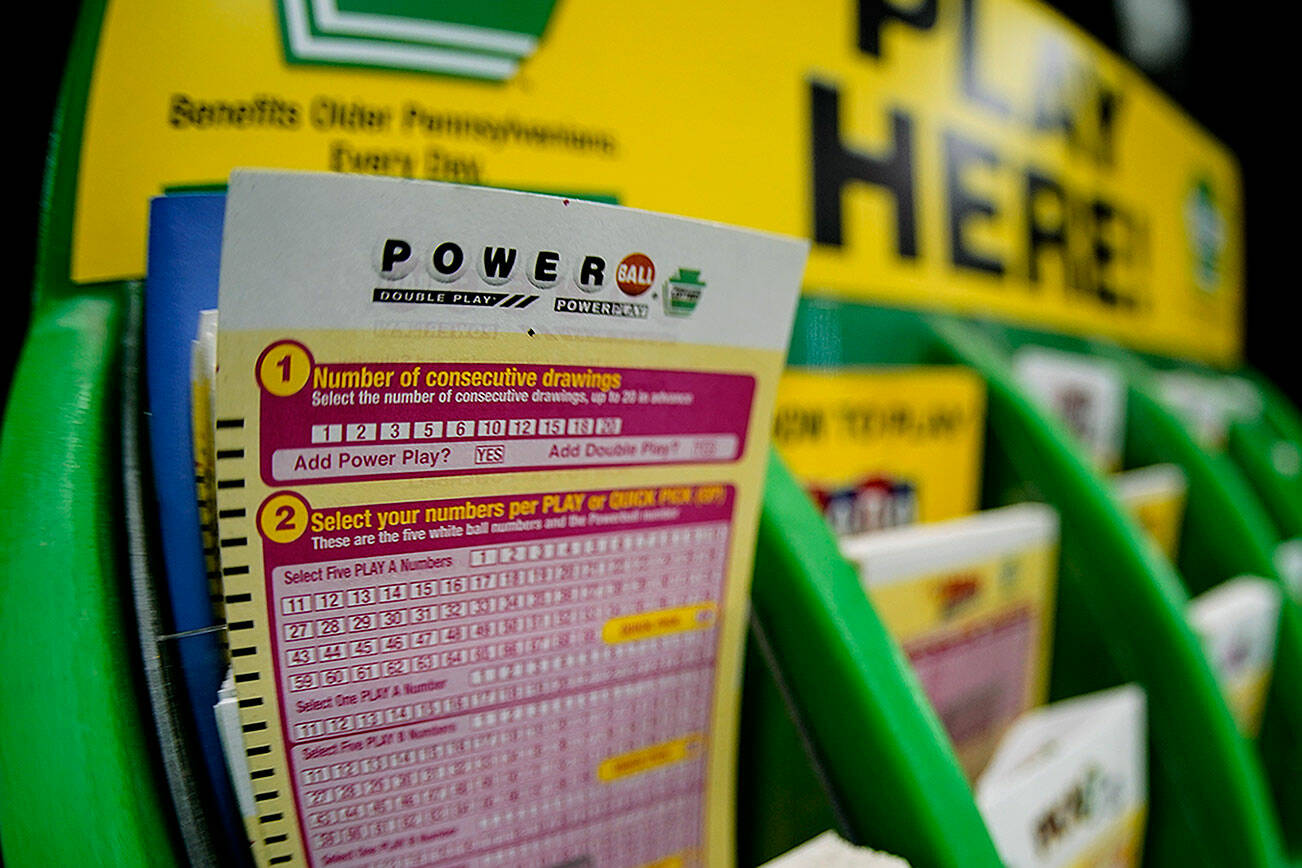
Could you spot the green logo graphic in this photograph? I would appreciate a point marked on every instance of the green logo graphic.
(1205, 230)
(683, 292)
(468, 38)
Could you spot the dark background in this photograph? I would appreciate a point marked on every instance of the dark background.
(1227, 72)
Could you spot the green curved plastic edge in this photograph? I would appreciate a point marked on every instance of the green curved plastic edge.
(1227, 532)
(1252, 446)
(1280, 739)
(782, 798)
(1120, 616)
(1281, 734)
(1120, 606)
(882, 750)
(78, 781)
(1280, 412)
(52, 276)
(77, 778)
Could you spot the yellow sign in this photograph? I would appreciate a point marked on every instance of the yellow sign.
(972, 155)
(880, 448)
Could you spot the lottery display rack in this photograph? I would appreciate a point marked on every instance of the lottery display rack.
(836, 732)
(824, 681)
(1227, 531)
(1119, 619)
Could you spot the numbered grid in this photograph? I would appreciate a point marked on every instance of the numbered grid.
(508, 663)
(461, 429)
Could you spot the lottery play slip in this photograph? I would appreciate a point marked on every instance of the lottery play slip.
(488, 469)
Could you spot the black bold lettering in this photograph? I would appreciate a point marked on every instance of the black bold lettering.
(395, 251)
(498, 264)
(874, 13)
(1052, 92)
(1041, 234)
(448, 258)
(835, 165)
(1109, 108)
(965, 204)
(1104, 253)
(592, 274)
(544, 266)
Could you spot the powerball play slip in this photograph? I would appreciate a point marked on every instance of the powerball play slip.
(488, 469)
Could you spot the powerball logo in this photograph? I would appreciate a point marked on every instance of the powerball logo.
(478, 276)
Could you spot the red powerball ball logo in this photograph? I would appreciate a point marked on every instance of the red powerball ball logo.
(635, 274)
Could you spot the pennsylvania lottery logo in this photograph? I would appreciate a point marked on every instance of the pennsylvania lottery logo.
(1205, 231)
(682, 292)
(466, 38)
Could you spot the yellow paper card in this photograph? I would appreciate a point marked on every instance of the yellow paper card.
(880, 448)
(1155, 497)
(970, 602)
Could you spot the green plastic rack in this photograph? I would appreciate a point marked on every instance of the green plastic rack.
(1227, 531)
(1120, 619)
